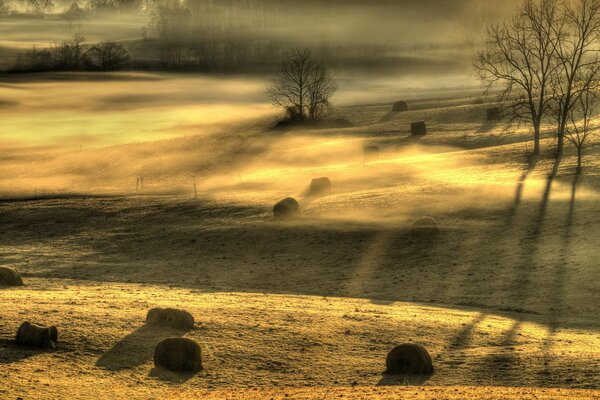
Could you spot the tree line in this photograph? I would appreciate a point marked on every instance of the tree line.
(74, 55)
(544, 62)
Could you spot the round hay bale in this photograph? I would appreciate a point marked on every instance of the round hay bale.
(399, 106)
(418, 128)
(286, 208)
(320, 186)
(178, 354)
(37, 336)
(10, 277)
(170, 317)
(424, 226)
(371, 153)
(493, 114)
(410, 359)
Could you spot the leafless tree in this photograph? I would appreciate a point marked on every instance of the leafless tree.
(303, 87)
(519, 61)
(580, 125)
(40, 7)
(4, 8)
(170, 24)
(577, 33)
(106, 56)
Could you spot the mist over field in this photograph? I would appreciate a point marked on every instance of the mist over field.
(281, 199)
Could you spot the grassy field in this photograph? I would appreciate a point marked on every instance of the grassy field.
(505, 298)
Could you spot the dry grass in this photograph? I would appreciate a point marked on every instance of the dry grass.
(506, 295)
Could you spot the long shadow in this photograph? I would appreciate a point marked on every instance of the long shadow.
(557, 293)
(388, 117)
(531, 163)
(462, 338)
(545, 199)
(135, 349)
(11, 353)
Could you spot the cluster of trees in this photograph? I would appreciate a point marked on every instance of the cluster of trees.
(545, 62)
(73, 55)
(43, 7)
(209, 35)
(303, 87)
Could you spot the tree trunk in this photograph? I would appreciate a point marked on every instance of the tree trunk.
(579, 157)
(560, 146)
(536, 139)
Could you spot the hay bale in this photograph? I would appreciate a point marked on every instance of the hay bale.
(493, 114)
(410, 359)
(399, 106)
(170, 317)
(10, 277)
(320, 186)
(178, 354)
(286, 208)
(424, 226)
(371, 153)
(418, 128)
(37, 336)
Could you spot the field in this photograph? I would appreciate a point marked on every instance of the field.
(505, 298)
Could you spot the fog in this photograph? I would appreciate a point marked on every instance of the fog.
(96, 133)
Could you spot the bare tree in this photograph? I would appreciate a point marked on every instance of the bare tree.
(580, 126)
(4, 8)
(519, 60)
(321, 88)
(170, 24)
(74, 15)
(576, 53)
(303, 86)
(40, 7)
(106, 56)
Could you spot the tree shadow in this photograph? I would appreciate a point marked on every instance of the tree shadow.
(387, 117)
(486, 127)
(557, 292)
(462, 338)
(531, 163)
(537, 227)
(136, 349)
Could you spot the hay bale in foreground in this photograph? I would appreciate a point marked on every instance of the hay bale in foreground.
(371, 153)
(400, 106)
(286, 208)
(10, 277)
(410, 359)
(424, 226)
(37, 336)
(493, 114)
(178, 354)
(320, 186)
(418, 128)
(170, 317)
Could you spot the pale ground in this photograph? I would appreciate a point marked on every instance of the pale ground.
(506, 296)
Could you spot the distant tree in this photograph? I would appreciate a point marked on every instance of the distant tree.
(303, 87)
(40, 7)
(4, 8)
(170, 24)
(74, 15)
(128, 5)
(106, 56)
(520, 61)
(68, 55)
(102, 5)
